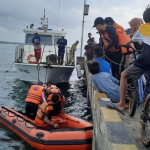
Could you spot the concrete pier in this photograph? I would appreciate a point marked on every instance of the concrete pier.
(109, 131)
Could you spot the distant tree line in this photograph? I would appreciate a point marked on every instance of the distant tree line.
(5, 42)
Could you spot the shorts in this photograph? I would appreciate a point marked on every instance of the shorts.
(134, 72)
(37, 53)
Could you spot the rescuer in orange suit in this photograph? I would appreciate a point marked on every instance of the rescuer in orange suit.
(35, 96)
(45, 112)
(52, 89)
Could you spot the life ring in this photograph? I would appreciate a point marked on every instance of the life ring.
(28, 59)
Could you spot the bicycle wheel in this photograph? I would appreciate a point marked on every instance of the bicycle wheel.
(133, 101)
(145, 123)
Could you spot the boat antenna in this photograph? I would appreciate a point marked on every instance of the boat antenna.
(44, 13)
(58, 15)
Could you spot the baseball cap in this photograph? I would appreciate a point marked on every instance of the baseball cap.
(98, 20)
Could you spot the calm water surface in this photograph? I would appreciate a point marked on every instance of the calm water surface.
(13, 93)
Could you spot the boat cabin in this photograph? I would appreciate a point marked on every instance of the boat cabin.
(49, 38)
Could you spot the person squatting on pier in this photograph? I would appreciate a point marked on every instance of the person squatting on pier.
(104, 82)
(98, 55)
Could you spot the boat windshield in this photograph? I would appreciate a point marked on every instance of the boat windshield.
(46, 39)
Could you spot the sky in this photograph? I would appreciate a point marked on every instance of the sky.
(15, 15)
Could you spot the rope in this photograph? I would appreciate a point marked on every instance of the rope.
(114, 62)
(38, 64)
(38, 69)
(46, 75)
(10, 67)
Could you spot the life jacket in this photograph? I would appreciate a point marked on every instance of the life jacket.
(35, 94)
(106, 40)
(42, 111)
(117, 26)
(122, 39)
(61, 101)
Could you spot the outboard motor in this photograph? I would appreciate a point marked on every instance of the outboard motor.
(51, 59)
(78, 69)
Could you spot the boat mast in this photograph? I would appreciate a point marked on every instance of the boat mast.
(58, 15)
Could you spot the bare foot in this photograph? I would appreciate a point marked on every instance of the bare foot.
(121, 107)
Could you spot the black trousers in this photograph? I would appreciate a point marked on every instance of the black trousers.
(118, 58)
(31, 110)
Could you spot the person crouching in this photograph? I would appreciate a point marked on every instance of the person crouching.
(104, 82)
(35, 97)
(45, 112)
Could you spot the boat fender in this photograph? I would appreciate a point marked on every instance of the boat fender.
(28, 59)
(78, 69)
(40, 134)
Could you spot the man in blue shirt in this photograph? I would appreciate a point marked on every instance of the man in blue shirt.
(61, 49)
(98, 56)
(104, 82)
(37, 46)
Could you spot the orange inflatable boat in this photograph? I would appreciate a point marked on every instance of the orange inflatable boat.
(73, 134)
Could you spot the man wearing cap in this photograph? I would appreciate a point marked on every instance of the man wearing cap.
(72, 52)
(35, 96)
(109, 42)
(62, 42)
(110, 21)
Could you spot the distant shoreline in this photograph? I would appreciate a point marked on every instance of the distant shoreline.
(15, 43)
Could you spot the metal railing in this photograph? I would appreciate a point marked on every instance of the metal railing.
(21, 53)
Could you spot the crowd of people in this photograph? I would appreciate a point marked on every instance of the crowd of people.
(111, 65)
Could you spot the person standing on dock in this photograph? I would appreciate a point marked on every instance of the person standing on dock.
(37, 46)
(90, 41)
(109, 42)
(62, 42)
(110, 21)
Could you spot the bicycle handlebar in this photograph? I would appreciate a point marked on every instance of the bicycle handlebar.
(128, 46)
